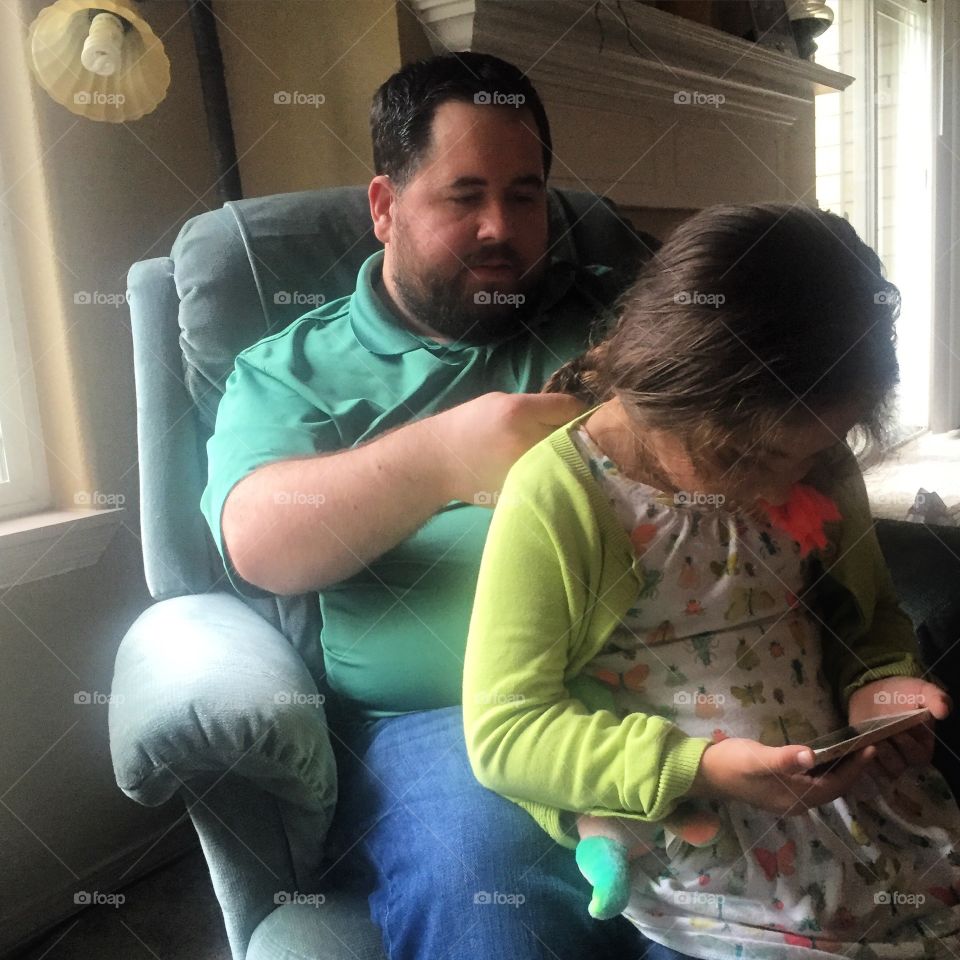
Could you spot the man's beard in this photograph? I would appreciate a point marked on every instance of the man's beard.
(447, 307)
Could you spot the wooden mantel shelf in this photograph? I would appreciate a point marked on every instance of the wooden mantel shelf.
(667, 52)
(660, 112)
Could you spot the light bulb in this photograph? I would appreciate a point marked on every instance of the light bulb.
(102, 48)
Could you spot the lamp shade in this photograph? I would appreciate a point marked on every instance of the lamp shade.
(99, 59)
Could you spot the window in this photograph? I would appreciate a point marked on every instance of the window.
(24, 485)
(875, 165)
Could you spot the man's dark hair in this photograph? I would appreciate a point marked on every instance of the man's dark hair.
(401, 115)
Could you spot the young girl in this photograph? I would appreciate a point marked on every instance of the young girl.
(651, 649)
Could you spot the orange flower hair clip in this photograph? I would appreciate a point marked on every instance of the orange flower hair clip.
(803, 516)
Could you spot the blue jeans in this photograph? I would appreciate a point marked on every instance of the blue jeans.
(657, 951)
(456, 870)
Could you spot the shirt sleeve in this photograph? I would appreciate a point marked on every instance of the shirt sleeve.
(527, 737)
(264, 415)
(867, 636)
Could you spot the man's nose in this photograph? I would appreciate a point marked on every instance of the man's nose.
(496, 223)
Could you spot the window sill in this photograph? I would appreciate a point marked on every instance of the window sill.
(931, 461)
(42, 545)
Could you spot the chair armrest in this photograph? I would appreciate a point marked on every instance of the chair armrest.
(924, 562)
(202, 683)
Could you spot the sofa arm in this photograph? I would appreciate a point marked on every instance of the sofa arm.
(202, 683)
(924, 561)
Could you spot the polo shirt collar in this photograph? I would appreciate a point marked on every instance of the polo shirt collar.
(374, 324)
(560, 240)
(378, 330)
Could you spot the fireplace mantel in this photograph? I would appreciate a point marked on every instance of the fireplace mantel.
(657, 112)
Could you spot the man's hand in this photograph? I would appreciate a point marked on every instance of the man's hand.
(774, 778)
(478, 441)
(379, 493)
(913, 747)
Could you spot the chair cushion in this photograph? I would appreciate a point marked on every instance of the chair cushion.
(338, 927)
(251, 268)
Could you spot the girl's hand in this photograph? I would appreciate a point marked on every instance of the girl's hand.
(774, 778)
(913, 747)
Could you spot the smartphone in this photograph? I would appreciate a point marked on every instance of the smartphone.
(831, 747)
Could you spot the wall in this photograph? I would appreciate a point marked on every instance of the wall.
(101, 197)
(90, 200)
(338, 51)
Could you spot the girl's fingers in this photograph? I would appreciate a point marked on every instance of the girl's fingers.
(939, 704)
(916, 745)
(935, 699)
(838, 780)
(889, 759)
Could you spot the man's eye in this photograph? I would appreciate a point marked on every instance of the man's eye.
(468, 198)
(525, 198)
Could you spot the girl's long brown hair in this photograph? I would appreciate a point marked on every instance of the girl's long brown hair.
(747, 318)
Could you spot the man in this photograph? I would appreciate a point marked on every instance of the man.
(356, 453)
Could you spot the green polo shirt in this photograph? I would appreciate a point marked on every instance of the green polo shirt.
(394, 634)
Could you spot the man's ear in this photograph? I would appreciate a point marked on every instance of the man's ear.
(382, 195)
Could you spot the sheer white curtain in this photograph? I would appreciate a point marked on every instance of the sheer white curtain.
(904, 120)
(24, 483)
(945, 343)
(874, 164)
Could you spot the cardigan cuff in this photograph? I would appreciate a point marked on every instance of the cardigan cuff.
(681, 763)
(908, 666)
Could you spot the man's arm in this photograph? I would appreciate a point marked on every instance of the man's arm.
(306, 523)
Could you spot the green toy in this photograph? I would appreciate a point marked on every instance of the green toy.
(608, 845)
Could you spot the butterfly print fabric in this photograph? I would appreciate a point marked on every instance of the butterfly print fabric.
(719, 641)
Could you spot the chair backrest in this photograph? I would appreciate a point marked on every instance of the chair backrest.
(234, 276)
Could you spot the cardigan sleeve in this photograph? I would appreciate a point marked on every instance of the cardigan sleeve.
(527, 737)
(867, 636)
